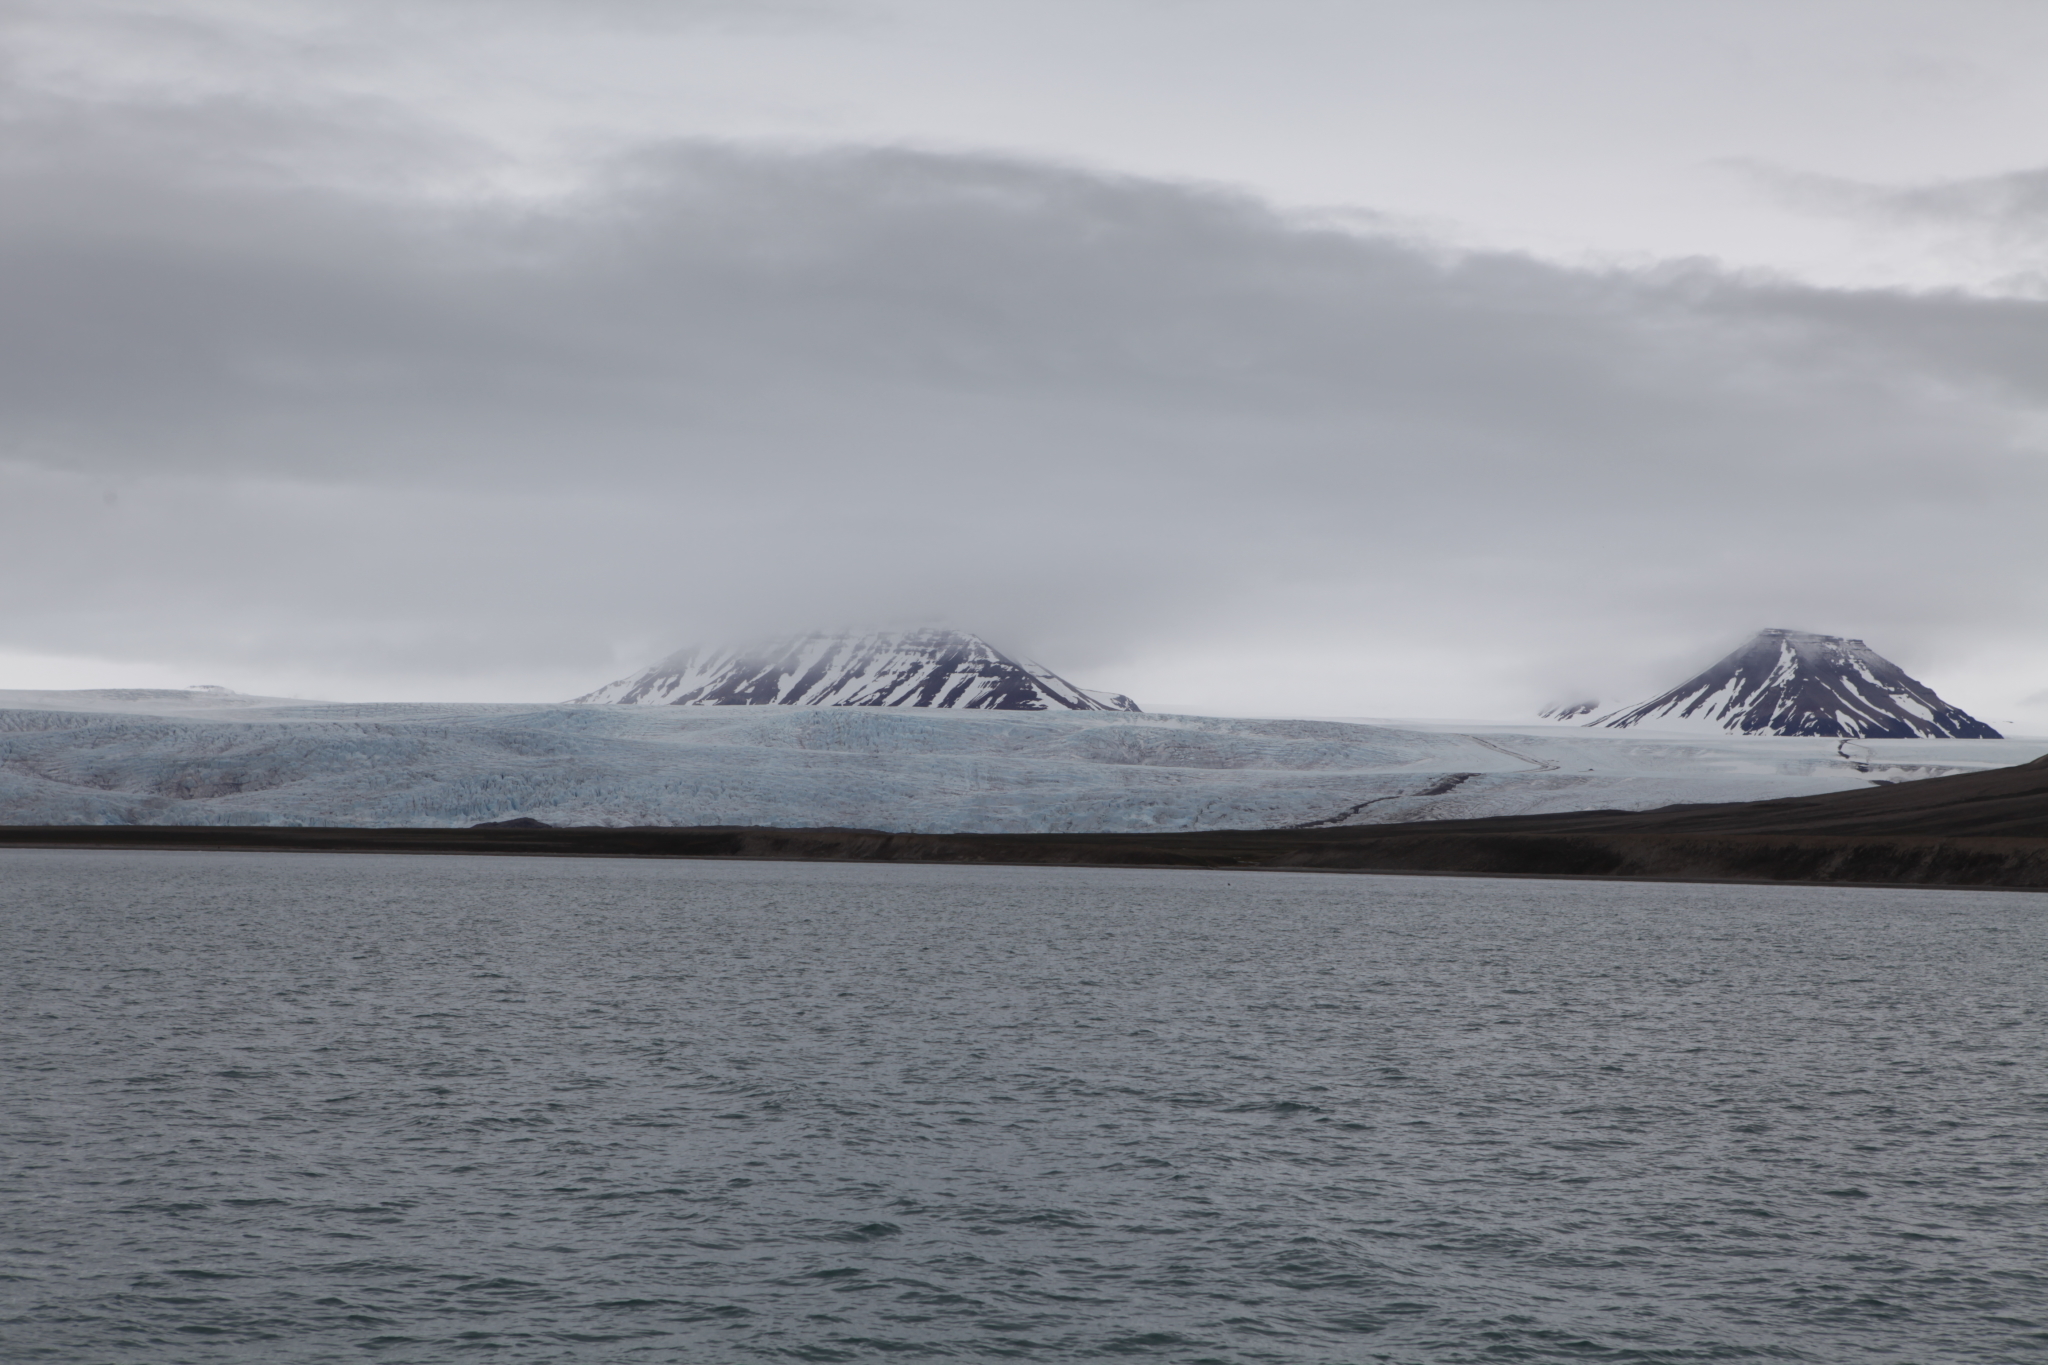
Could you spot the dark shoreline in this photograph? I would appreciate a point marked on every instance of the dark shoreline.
(1986, 863)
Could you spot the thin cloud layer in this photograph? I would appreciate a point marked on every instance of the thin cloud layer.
(1989, 229)
(261, 421)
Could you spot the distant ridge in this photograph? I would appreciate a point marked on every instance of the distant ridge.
(1792, 682)
(932, 667)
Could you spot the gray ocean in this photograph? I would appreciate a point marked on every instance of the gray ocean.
(296, 1108)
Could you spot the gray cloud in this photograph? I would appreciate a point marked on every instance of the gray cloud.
(2017, 200)
(2013, 199)
(1991, 228)
(266, 412)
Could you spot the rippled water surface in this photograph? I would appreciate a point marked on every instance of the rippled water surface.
(330, 1108)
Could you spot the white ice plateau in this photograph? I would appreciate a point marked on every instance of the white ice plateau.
(208, 758)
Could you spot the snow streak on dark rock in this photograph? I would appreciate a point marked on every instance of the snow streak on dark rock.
(1790, 682)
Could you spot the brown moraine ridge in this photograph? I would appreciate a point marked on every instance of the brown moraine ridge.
(1985, 829)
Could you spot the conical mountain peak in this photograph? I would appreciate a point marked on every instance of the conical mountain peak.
(1796, 682)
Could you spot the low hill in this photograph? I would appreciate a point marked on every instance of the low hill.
(2004, 803)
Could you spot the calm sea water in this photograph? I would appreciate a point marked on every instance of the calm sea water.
(411, 1109)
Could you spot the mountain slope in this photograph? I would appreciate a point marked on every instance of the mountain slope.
(1790, 682)
(936, 668)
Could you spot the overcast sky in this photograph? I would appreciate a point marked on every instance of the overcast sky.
(1253, 356)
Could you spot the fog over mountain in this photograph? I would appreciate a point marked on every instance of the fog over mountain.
(307, 386)
(942, 669)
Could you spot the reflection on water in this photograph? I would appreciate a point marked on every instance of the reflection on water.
(310, 1107)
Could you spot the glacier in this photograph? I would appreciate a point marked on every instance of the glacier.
(189, 758)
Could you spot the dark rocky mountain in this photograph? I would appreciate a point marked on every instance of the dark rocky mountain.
(930, 667)
(1791, 682)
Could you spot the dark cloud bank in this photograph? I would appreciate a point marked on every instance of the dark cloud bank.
(256, 416)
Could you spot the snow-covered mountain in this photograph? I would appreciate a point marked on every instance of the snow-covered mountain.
(1790, 682)
(931, 667)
